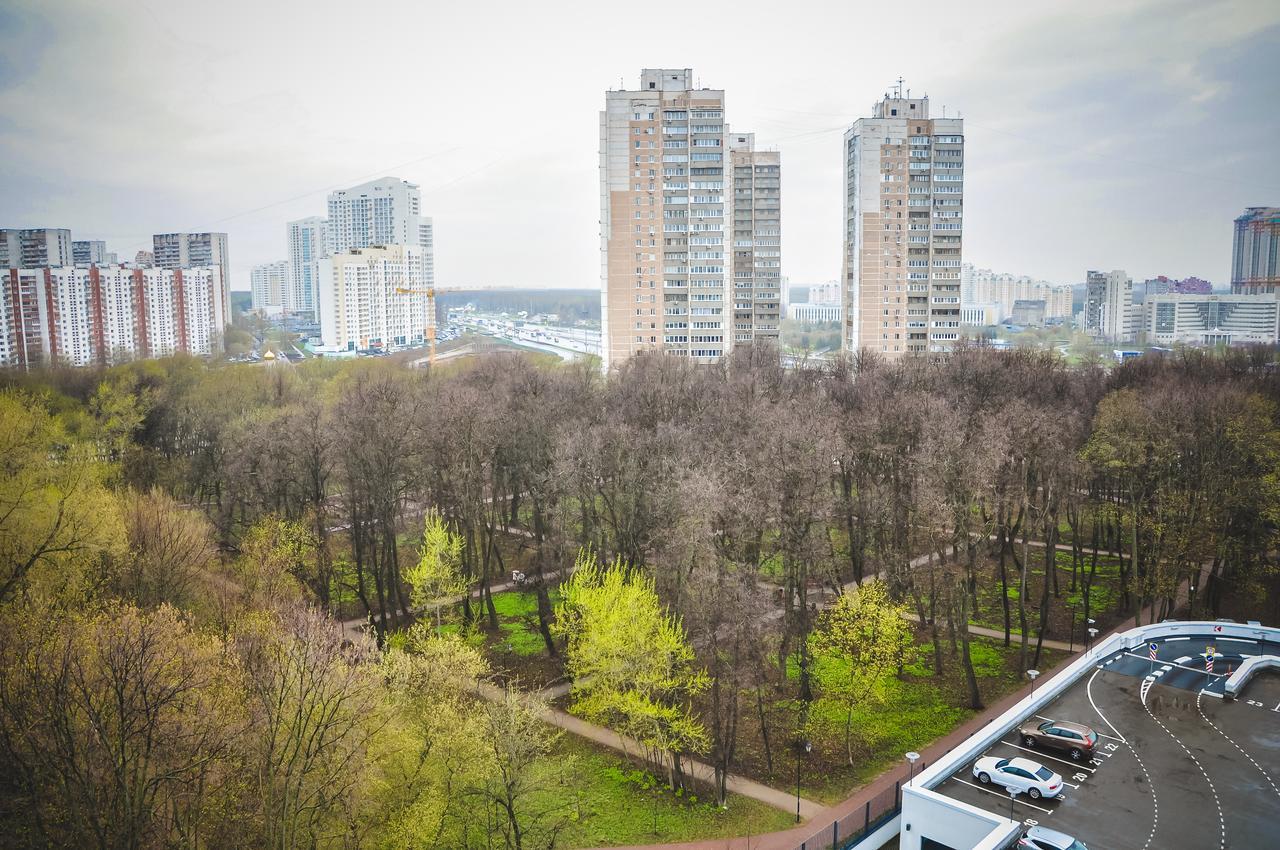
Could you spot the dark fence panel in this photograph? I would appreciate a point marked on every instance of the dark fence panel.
(844, 833)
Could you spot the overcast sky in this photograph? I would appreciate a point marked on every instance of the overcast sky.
(1099, 134)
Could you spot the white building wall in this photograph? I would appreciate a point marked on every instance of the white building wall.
(308, 244)
(119, 322)
(73, 332)
(359, 305)
(270, 284)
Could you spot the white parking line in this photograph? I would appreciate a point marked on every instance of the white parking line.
(1171, 640)
(998, 794)
(1051, 758)
(1241, 749)
(1089, 690)
(1210, 693)
(1235, 640)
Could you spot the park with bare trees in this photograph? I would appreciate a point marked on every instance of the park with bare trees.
(506, 602)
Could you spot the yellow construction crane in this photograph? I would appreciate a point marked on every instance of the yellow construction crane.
(430, 330)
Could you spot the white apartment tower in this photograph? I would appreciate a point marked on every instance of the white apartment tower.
(182, 250)
(269, 284)
(360, 305)
(387, 211)
(37, 247)
(1108, 306)
(664, 282)
(308, 244)
(904, 205)
(757, 240)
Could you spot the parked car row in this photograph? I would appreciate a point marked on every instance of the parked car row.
(1024, 776)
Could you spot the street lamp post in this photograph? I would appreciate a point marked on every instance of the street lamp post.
(802, 748)
(912, 758)
(1093, 633)
(1191, 615)
(1013, 795)
(1032, 675)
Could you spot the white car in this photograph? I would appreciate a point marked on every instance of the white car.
(1023, 775)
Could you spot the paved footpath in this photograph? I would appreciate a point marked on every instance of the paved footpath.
(1014, 638)
(699, 770)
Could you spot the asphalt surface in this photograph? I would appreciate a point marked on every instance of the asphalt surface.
(1177, 765)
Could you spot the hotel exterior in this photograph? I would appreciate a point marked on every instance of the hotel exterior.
(903, 226)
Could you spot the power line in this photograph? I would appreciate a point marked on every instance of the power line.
(334, 186)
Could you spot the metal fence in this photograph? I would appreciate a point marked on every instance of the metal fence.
(844, 833)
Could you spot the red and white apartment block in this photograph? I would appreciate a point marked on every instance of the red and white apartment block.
(84, 315)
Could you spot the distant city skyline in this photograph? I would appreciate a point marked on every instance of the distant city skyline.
(1137, 131)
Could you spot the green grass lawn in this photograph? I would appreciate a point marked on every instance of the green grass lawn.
(907, 714)
(1104, 594)
(619, 804)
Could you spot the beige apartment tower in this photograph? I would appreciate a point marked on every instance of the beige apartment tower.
(757, 240)
(664, 284)
(904, 223)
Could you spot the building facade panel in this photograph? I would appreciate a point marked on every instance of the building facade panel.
(903, 226)
(374, 298)
(665, 269)
(1255, 252)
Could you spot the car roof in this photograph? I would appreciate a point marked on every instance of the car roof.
(1074, 727)
(1026, 764)
(1043, 832)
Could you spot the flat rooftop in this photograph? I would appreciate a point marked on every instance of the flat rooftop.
(1178, 765)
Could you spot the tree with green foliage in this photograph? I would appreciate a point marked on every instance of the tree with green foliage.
(867, 632)
(529, 791)
(438, 573)
(276, 555)
(59, 523)
(118, 728)
(630, 661)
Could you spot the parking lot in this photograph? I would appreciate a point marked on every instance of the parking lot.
(1176, 766)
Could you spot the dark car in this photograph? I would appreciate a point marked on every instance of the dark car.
(1075, 739)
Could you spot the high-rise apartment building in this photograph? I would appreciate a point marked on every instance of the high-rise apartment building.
(360, 305)
(1255, 252)
(182, 250)
(757, 241)
(91, 252)
(983, 287)
(269, 284)
(308, 244)
(81, 315)
(903, 226)
(664, 284)
(35, 248)
(387, 211)
(1108, 306)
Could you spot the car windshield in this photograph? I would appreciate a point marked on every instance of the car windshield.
(1002, 762)
(1045, 725)
(1093, 739)
(1044, 773)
